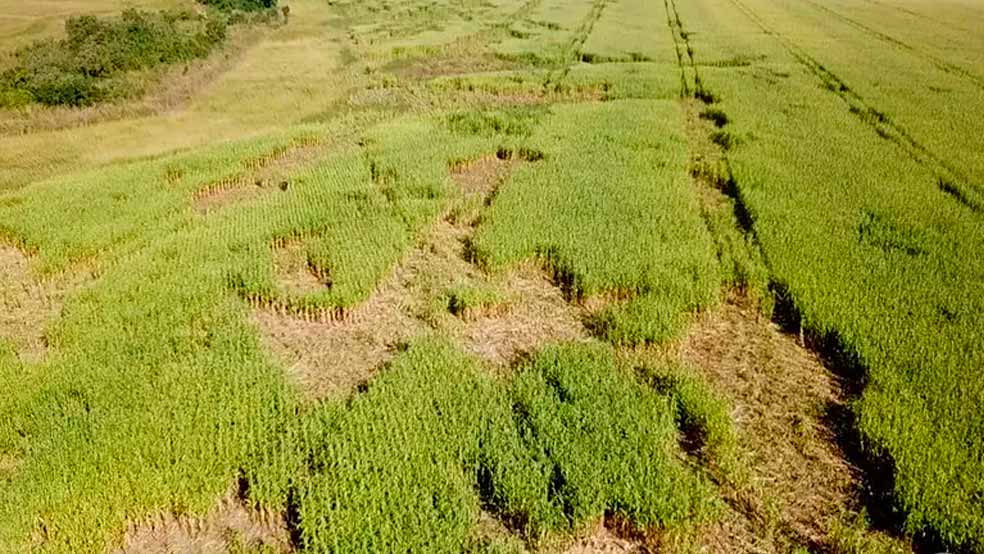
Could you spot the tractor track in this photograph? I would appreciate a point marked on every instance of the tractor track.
(951, 180)
(917, 15)
(673, 27)
(573, 51)
(942, 65)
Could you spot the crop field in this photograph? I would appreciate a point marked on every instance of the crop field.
(491, 276)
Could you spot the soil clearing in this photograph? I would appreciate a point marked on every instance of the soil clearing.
(228, 528)
(28, 304)
(800, 485)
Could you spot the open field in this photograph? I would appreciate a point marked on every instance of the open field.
(507, 276)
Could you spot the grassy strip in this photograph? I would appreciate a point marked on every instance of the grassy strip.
(409, 464)
(610, 211)
(875, 260)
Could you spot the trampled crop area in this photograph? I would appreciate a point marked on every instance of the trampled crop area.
(507, 276)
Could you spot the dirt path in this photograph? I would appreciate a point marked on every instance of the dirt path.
(799, 482)
(797, 488)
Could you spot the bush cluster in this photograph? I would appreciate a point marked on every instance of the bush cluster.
(240, 5)
(92, 61)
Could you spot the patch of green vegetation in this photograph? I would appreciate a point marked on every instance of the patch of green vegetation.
(703, 418)
(97, 58)
(358, 211)
(630, 31)
(604, 445)
(519, 121)
(630, 80)
(610, 209)
(409, 464)
(167, 341)
(464, 299)
(879, 266)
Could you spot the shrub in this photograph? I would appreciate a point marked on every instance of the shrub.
(240, 5)
(92, 62)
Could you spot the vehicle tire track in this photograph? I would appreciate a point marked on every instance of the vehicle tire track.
(672, 26)
(917, 15)
(573, 52)
(942, 65)
(950, 180)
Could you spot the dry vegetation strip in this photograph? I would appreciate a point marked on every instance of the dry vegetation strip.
(230, 527)
(29, 302)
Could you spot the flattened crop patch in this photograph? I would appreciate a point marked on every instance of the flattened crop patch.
(783, 397)
(537, 315)
(294, 274)
(333, 358)
(230, 527)
(483, 175)
(28, 304)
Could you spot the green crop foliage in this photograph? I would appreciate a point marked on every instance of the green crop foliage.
(464, 298)
(408, 464)
(141, 357)
(877, 262)
(357, 212)
(631, 31)
(241, 5)
(610, 209)
(603, 443)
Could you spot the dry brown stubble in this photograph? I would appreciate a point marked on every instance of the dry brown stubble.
(294, 273)
(482, 176)
(602, 540)
(271, 175)
(229, 527)
(333, 358)
(30, 302)
(799, 484)
(536, 315)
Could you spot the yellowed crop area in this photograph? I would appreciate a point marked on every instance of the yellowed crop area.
(491, 276)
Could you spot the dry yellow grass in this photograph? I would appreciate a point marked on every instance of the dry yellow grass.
(294, 72)
(23, 22)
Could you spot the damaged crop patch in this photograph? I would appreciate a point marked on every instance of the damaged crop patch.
(536, 315)
(332, 358)
(30, 302)
(229, 527)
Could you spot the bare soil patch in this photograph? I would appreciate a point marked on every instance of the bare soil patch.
(334, 358)
(602, 540)
(483, 176)
(229, 528)
(224, 197)
(536, 315)
(267, 175)
(800, 485)
(28, 302)
(294, 273)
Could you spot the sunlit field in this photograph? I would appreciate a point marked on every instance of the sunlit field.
(563, 276)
